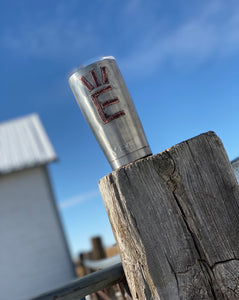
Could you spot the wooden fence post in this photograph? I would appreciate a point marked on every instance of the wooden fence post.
(175, 216)
(98, 251)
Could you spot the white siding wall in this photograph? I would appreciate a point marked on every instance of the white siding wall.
(33, 253)
(236, 170)
(235, 165)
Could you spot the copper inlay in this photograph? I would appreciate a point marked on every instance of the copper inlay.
(100, 106)
(104, 75)
(86, 83)
(102, 91)
(95, 78)
(114, 116)
(109, 102)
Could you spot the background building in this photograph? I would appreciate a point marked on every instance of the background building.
(34, 256)
(235, 165)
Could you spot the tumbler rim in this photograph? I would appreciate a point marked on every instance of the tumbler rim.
(90, 62)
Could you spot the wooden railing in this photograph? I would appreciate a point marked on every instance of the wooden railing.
(87, 285)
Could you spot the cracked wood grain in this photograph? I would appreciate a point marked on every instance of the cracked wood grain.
(175, 216)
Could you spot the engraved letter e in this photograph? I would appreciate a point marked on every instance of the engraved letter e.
(102, 105)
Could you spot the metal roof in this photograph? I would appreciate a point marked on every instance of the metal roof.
(235, 161)
(24, 144)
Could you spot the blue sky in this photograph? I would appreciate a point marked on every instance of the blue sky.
(180, 62)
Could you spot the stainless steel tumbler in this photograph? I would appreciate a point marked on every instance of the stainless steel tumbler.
(104, 99)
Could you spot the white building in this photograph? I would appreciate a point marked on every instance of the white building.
(34, 256)
(235, 165)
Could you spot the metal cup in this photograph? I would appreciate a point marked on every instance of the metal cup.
(104, 99)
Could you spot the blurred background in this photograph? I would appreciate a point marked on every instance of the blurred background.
(179, 60)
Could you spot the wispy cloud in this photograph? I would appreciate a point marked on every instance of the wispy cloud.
(78, 199)
(142, 34)
(212, 33)
(54, 34)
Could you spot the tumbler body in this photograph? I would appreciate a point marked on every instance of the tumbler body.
(105, 101)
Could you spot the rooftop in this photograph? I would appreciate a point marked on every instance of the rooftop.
(24, 144)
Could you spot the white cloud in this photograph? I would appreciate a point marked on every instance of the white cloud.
(142, 35)
(46, 40)
(78, 199)
(212, 33)
(41, 34)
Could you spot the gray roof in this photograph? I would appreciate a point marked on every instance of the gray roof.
(24, 144)
(235, 162)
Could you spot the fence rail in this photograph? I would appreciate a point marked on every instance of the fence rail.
(86, 285)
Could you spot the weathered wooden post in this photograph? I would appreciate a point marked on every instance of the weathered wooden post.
(98, 251)
(175, 216)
